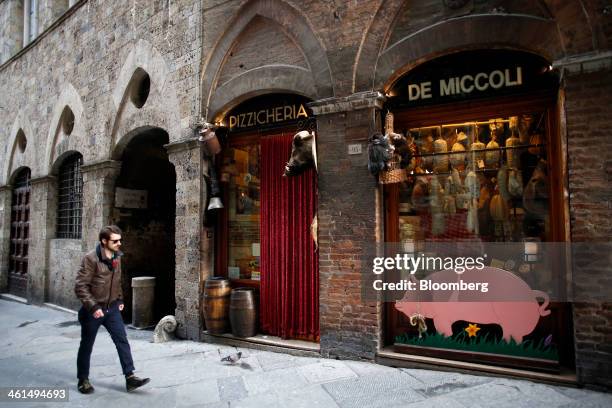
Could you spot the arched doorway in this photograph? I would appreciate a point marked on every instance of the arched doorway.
(263, 233)
(20, 233)
(145, 209)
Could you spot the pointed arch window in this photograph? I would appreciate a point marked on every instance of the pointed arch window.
(70, 198)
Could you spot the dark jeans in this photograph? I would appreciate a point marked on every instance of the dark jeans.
(89, 328)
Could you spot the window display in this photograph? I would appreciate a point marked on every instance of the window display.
(485, 179)
(240, 172)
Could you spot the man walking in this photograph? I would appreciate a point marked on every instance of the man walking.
(98, 287)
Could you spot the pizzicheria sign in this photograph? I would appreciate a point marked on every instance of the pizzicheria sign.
(267, 116)
(268, 111)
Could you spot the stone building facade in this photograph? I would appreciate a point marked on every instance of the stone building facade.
(202, 58)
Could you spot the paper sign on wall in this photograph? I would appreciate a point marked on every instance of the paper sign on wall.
(127, 198)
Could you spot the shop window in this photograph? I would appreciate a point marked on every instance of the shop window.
(70, 198)
(481, 174)
(240, 172)
(485, 179)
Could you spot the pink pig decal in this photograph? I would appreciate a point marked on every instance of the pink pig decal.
(509, 302)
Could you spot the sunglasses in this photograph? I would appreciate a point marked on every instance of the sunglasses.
(114, 241)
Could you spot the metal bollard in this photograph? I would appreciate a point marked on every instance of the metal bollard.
(143, 296)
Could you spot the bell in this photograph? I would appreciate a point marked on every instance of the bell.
(215, 203)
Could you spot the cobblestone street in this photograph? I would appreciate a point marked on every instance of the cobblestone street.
(40, 344)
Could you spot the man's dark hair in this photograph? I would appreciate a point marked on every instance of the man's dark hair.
(105, 233)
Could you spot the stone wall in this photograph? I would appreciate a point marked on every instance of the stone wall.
(86, 63)
(42, 228)
(186, 157)
(11, 28)
(66, 255)
(49, 11)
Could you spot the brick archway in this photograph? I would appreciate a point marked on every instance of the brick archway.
(526, 33)
(561, 29)
(316, 81)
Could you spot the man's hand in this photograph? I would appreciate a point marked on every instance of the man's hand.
(98, 314)
(121, 307)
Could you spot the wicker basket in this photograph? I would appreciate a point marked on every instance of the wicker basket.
(395, 174)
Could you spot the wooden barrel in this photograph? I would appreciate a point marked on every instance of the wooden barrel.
(216, 304)
(243, 312)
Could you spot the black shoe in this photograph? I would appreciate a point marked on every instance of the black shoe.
(85, 386)
(132, 382)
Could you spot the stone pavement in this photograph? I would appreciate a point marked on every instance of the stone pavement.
(40, 344)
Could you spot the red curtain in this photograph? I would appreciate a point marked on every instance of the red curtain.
(289, 305)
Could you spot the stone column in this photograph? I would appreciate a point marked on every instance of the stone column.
(98, 197)
(186, 157)
(350, 326)
(5, 231)
(42, 229)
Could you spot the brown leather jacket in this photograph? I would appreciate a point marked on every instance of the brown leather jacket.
(98, 284)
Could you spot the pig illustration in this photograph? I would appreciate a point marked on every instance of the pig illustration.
(303, 153)
(509, 302)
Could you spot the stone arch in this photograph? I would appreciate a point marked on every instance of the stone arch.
(379, 63)
(286, 81)
(55, 166)
(161, 107)
(68, 99)
(16, 172)
(132, 128)
(13, 158)
(274, 77)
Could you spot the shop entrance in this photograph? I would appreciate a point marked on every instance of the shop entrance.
(484, 175)
(264, 237)
(20, 233)
(145, 201)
